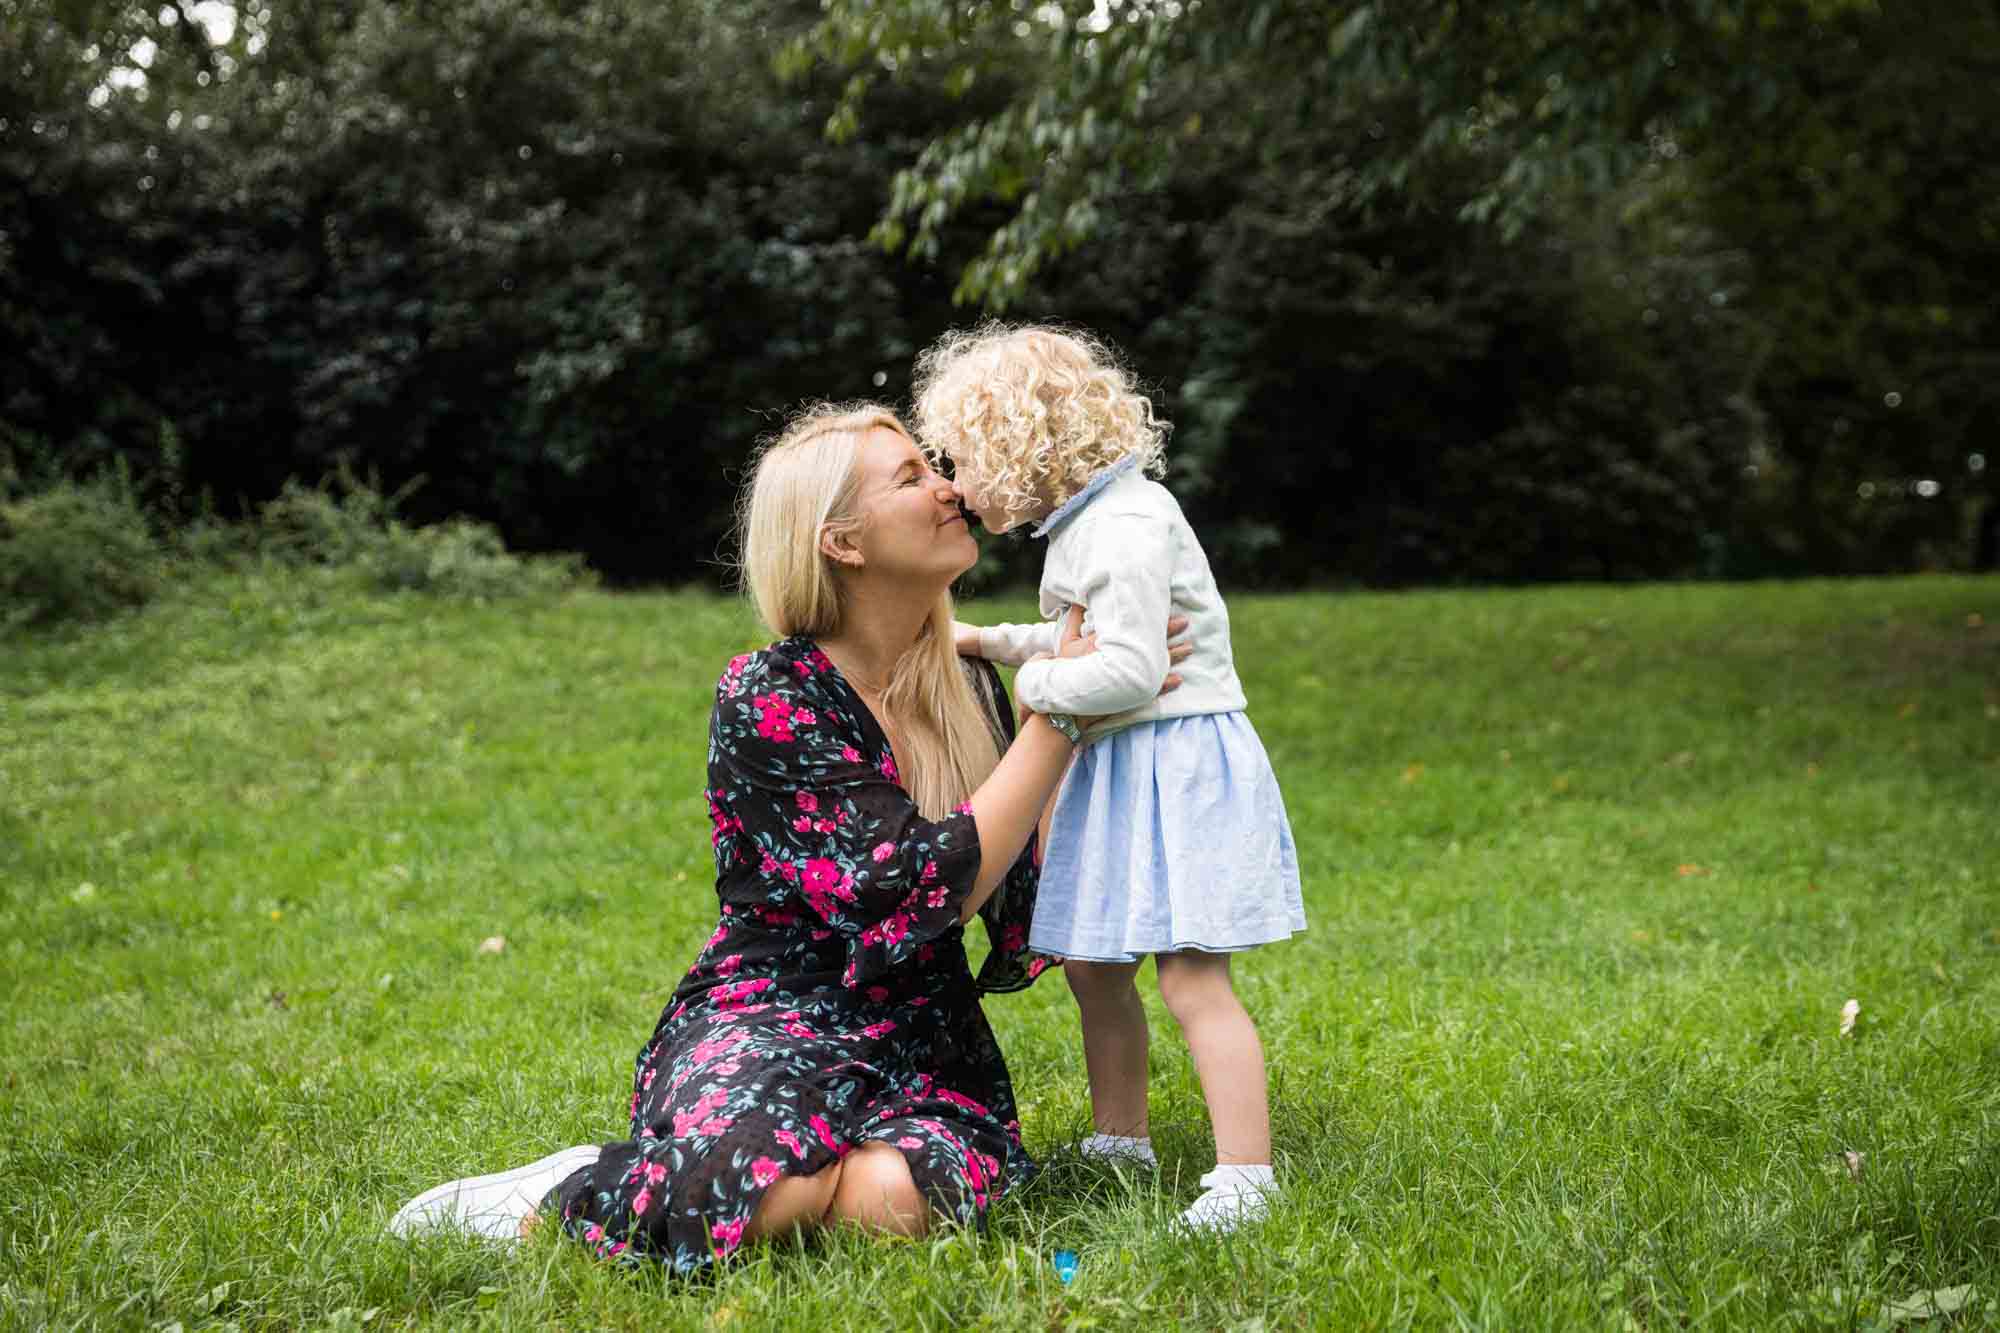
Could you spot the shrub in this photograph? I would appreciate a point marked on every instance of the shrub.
(357, 529)
(78, 551)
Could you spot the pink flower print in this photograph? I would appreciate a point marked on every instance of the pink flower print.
(593, 1232)
(850, 754)
(883, 851)
(641, 1201)
(895, 928)
(791, 1140)
(935, 898)
(845, 889)
(823, 826)
(715, 1124)
(1014, 937)
(728, 966)
(878, 993)
(820, 661)
(847, 976)
(646, 1084)
(806, 801)
(727, 1235)
(1037, 966)
(928, 873)
(910, 1144)
(764, 1171)
(728, 1067)
(796, 1029)
(821, 936)
(962, 808)
(804, 717)
(919, 1001)
(822, 876)
(774, 717)
(888, 767)
(825, 1132)
(871, 936)
(656, 1173)
(788, 872)
(803, 824)
(721, 933)
(877, 1031)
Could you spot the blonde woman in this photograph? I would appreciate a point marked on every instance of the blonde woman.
(1169, 838)
(826, 1059)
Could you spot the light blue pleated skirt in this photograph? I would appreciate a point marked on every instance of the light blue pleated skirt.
(1168, 835)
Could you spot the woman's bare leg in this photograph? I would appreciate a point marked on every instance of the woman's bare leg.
(794, 1203)
(877, 1191)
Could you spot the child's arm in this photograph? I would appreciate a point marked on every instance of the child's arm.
(1125, 578)
(1009, 645)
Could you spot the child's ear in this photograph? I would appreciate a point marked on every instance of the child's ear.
(837, 545)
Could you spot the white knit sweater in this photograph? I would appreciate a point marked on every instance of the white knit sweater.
(1127, 555)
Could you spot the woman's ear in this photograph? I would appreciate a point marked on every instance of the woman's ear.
(836, 544)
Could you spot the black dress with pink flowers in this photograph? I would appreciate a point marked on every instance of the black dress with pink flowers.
(834, 1005)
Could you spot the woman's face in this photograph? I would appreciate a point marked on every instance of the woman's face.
(911, 524)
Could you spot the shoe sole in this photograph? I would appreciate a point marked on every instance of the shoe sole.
(472, 1197)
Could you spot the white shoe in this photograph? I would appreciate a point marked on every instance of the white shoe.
(1117, 1150)
(1232, 1195)
(494, 1205)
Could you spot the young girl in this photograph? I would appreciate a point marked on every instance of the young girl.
(1169, 835)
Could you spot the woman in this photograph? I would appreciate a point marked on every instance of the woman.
(826, 1059)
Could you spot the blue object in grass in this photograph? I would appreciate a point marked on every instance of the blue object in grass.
(1065, 1262)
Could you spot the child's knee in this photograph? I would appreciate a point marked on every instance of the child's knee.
(1195, 984)
(1100, 983)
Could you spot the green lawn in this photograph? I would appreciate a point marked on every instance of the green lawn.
(1591, 873)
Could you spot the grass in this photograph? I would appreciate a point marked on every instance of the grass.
(1591, 872)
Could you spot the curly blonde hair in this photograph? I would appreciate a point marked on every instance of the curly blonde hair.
(1030, 412)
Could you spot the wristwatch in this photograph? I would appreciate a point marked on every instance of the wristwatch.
(1066, 724)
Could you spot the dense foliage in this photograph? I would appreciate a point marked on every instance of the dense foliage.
(1430, 296)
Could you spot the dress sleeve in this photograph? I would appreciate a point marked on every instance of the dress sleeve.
(788, 767)
(1124, 576)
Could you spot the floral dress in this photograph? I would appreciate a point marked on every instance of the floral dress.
(833, 1006)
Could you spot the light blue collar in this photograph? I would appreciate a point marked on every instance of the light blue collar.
(1069, 508)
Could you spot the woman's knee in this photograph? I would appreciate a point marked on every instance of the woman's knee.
(877, 1191)
(795, 1203)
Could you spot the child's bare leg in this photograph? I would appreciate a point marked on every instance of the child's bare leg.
(1227, 1054)
(1114, 1044)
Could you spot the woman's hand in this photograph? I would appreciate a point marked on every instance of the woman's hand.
(1071, 641)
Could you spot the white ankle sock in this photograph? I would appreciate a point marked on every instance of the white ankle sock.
(1118, 1147)
(1237, 1176)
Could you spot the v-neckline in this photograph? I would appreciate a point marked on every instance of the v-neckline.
(867, 715)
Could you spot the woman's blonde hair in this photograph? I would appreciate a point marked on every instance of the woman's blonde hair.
(1030, 412)
(805, 481)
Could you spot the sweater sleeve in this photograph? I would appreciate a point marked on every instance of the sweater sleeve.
(1011, 645)
(1124, 577)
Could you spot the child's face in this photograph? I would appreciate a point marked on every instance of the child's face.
(993, 514)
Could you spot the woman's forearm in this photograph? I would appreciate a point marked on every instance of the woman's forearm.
(1008, 804)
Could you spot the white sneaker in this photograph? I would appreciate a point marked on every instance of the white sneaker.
(1117, 1150)
(1232, 1195)
(494, 1205)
